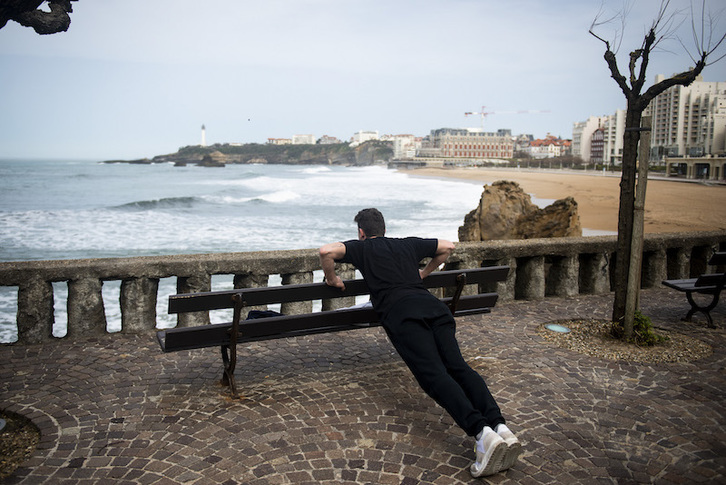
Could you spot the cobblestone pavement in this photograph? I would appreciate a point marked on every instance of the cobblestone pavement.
(342, 408)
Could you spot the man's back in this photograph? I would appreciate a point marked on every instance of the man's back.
(390, 266)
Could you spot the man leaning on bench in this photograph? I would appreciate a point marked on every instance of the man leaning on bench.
(420, 325)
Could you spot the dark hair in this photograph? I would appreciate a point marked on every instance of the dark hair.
(371, 221)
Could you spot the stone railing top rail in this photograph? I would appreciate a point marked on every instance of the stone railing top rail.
(289, 261)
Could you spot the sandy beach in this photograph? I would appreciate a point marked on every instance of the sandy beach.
(670, 206)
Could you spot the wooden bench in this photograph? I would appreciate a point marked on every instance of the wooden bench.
(228, 335)
(707, 284)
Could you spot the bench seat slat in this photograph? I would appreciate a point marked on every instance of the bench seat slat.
(703, 284)
(215, 335)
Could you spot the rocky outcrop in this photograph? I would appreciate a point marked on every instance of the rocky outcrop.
(214, 159)
(505, 211)
(374, 152)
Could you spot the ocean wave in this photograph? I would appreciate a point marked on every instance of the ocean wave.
(278, 197)
(275, 197)
(165, 203)
(313, 170)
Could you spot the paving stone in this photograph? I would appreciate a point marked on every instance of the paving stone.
(343, 408)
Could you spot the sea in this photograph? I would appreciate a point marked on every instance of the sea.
(73, 209)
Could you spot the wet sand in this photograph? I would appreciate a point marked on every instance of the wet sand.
(670, 206)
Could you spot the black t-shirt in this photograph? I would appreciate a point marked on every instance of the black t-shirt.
(390, 267)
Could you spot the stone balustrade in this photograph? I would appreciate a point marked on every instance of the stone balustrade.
(540, 268)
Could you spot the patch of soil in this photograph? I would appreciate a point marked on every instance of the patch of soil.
(592, 337)
(18, 440)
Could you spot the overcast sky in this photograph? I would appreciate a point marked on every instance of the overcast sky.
(138, 78)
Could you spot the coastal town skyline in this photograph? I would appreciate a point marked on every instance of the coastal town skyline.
(132, 79)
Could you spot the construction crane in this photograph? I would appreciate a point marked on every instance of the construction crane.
(484, 113)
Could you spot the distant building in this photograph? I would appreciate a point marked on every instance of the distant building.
(363, 136)
(279, 141)
(405, 146)
(548, 147)
(522, 141)
(303, 140)
(688, 121)
(328, 140)
(582, 136)
(597, 146)
(204, 136)
(612, 127)
(468, 143)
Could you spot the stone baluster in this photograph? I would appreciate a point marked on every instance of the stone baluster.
(677, 263)
(35, 316)
(530, 283)
(699, 260)
(138, 304)
(505, 289)
(297, 307)
(346, 272)
(86, 314)
(655, 268)
(563, 277)
(193, 284)
(594, 273)
(250, 280)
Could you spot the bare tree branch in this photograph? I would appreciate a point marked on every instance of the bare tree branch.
(28, 14)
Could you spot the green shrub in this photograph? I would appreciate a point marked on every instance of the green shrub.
(643, 333)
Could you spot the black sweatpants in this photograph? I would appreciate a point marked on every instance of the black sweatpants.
(422, 330)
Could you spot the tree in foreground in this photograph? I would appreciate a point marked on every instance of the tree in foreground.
(630, 224)
(29, 14)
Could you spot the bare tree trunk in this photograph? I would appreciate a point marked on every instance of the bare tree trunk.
(632, 296)
(625, 213)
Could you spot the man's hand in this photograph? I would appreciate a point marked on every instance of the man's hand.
(328, 254)
(443, 250)
(336, 282)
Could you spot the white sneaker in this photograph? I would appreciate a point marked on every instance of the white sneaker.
(490, 450)
(514, 447)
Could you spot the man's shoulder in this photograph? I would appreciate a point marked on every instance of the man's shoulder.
(420, 240)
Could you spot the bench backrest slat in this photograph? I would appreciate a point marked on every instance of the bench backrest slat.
(215, 300)
(718, 259)
(711, 280)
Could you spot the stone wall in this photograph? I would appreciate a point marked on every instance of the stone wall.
(539, 268)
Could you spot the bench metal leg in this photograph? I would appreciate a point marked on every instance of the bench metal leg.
(229, 352)
(460, 282)
(706, 310)
(228, 372)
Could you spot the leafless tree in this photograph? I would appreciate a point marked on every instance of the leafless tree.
(29, 14)
(706, 42)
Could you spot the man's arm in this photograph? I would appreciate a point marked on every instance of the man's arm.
(443, 249)
(328, 254)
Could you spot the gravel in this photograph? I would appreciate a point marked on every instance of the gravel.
(592, 337)
(18, 440)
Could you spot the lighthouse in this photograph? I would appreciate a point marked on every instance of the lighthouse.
(204, 136)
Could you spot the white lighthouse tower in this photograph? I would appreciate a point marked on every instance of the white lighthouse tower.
(204, 136)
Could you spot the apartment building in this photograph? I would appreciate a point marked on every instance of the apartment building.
(609, 142)
(689, 121)
(582, 132)
(404, 146)
(597, 146)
